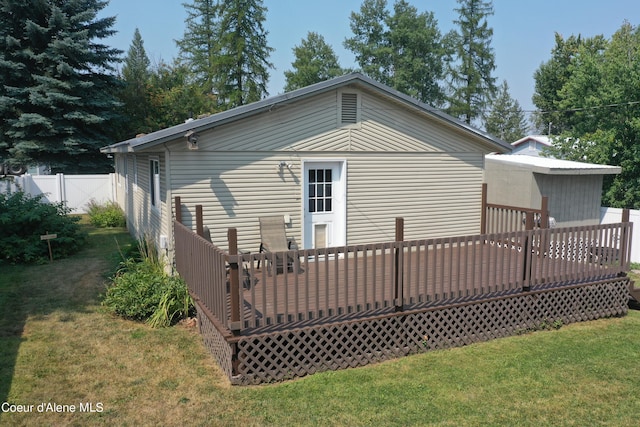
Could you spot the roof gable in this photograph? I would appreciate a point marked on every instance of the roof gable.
(353, 79)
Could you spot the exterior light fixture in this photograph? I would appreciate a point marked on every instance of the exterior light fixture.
(192, 140)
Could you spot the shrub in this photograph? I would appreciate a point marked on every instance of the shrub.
(141, 290)
(24, 218)
(105, 215)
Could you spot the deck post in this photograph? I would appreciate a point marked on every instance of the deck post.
(398, 294)
(178, 209)
(234, 281)
(483, 211)
(199, 221)
(624, 239)
(526, 251)
(544, 214)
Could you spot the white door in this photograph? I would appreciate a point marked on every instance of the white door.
(324, 204)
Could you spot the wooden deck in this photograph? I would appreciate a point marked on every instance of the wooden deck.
(378, 278)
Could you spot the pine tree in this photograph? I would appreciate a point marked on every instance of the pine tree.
(225, 44)
(57, 98)
(315, 62)
(241, 61)
(135, 89)
(403, 49)
(199, 43)
(472, 82)
(506, 119)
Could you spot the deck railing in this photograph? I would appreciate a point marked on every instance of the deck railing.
(203, 266)
(251, 291)
(496, 218)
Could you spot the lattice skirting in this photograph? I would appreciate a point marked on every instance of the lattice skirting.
(293, 353)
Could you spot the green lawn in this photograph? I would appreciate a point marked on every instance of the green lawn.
(58, 346)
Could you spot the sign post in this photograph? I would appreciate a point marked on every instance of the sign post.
(48, 238)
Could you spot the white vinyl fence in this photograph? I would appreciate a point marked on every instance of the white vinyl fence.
(75, 190)
(614, 215)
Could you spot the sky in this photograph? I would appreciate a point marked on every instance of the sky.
(523, 30)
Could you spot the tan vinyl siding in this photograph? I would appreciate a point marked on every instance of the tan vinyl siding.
(235, 189)
(389, 127)
(398, 163)
(418, 187)
(289, 127)
(142, 217)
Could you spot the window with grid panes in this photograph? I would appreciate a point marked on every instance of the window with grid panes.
(320, 191)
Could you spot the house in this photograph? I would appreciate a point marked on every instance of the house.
(340, 160)
(531, 145)
(574, 189)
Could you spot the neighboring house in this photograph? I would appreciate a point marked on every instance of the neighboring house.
(531, 145)
(340, 160)
(574, 189)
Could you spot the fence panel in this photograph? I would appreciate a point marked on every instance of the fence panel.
(74, 190)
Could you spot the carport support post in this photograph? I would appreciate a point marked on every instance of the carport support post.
(398, 294)
(234, 281)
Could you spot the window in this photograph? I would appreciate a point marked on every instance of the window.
(349, 108)
(126, 174)
(135, 172)
(320, 191)
(154, 182)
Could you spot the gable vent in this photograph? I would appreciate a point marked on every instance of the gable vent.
(349, 108)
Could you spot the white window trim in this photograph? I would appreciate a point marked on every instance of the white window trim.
(155, 183)
(135, 173)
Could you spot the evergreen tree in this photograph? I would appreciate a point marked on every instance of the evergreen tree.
(134, 94)
(370, 40)
(315, 62)
(57, 96)
(225, 45)
(403, 49)
(241, 60)
(199, 43)
(472, 81)
(506, 119)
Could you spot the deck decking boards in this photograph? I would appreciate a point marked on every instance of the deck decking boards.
(364, 281)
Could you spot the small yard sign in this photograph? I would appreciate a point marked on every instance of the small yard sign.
(48, 238)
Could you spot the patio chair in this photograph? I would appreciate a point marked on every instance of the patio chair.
(273, 239)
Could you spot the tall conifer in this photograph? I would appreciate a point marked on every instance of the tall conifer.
(472, 81)
(56, 87)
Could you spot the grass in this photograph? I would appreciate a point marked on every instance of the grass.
(58, 346)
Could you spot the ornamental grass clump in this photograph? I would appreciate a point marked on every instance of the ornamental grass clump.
(105, 215)
(142, 290)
